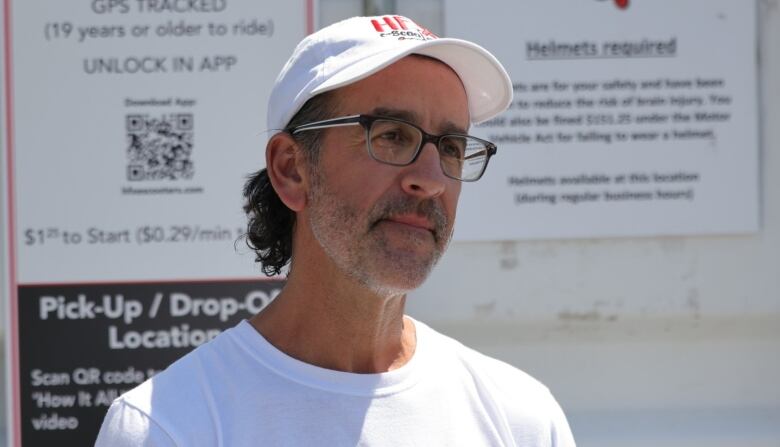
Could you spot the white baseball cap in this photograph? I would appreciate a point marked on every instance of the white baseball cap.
(355, 48)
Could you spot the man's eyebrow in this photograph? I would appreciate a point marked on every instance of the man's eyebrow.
(412, 117)
(401, 114)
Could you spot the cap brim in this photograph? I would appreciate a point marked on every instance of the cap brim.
(487, 85)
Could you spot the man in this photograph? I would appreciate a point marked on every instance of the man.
(359, 195)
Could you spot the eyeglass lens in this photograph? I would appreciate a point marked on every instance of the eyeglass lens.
(396, 143)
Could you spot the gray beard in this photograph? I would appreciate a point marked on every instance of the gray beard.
(361, 252)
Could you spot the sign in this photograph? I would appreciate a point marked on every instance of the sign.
(81, 346)
(133, 121)
(630, 118)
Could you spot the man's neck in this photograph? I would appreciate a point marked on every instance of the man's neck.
(335, 323)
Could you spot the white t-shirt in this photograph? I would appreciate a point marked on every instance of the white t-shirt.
(239, 390)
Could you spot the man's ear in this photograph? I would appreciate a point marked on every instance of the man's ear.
(286, 166)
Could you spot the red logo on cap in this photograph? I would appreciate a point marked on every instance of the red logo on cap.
(391, 25)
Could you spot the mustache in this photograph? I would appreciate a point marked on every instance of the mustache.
(428, 208)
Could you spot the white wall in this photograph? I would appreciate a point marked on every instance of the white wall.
(645, 342)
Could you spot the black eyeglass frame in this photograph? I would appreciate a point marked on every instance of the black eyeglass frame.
(366, 121)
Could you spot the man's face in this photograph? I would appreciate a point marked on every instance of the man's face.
(386, 226)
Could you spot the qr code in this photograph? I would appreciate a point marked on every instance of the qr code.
(159, 147)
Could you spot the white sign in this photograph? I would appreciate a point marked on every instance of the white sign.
(135, 123)
(630, 118)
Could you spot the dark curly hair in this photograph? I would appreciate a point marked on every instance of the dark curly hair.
(270, 223)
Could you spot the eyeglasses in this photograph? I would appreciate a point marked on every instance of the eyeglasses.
(397, 142)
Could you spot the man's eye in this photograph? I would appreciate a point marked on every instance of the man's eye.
(391, 135)
(452, 148)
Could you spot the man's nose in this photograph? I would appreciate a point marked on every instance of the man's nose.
(424, 177)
